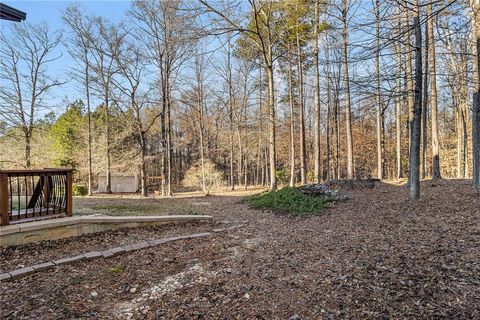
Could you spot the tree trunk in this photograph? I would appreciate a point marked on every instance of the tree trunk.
(414, 170)
(260, 120)
(476, 140)
(425, 106)
(462, 167)
(337, 134)
(292, 120)
(317, 143)
(378, 95)
(202, 145)
(348, 120)
(303, 156)
(408, 74)
(169, 142)
(231, 106)
(240, 155)
(143, 175)
(434, 97)
(107, 137)
(329, 112)
(398, 113)
(28, 148)
(245, 161)
(475, 6)
(271, 137)
(89, 119)
(475, 18)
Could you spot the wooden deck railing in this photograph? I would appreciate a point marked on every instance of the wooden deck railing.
(27, 195)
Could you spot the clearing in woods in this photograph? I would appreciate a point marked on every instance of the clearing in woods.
(376, 255)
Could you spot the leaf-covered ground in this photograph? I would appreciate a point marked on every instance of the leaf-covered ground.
(376, 255)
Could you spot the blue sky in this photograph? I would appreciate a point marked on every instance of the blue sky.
(51, 12)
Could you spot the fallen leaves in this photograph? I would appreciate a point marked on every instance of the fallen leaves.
(376, 255)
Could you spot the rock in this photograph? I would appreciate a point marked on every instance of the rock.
(247, 296)
(295, 317)
(133, 290)
(94, 293)
(18, 273)
(323, 190)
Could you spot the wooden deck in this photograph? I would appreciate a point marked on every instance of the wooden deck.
(28, 215)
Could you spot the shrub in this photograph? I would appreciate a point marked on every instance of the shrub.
(79, 190)
(282, 176)
(289, 200)
(194, 178)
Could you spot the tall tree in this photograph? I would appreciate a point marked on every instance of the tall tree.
(301, 103)
(346, 89)
(231, 104)
(414, 158)
(291, 102)
(317, 120)
(433, 95)
(408, 71)
(165, 29)
(200, 103)
(398, 107)
(26, 53)
(378, 94)
(475, 13)
(425, 104)
(79, 48)
(134, 99)
(264, 33)
(105, 41)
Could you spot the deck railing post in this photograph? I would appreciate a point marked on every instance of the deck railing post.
(46, 191)
(4, 198)
(69, 186)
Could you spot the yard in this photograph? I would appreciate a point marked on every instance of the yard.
(376, 255)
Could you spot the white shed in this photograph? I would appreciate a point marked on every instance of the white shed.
(120, 183)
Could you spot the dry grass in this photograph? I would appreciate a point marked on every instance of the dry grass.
(134, 204)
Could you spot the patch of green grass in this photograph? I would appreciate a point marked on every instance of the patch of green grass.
(116, 269)
(289, 200)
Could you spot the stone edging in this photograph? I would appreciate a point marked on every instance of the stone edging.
(18, 273)
(96, 219)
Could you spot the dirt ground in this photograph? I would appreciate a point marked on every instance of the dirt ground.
(374, 256)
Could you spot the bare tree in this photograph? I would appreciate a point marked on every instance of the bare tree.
(414, 163)
(301, 103)
(79, 48)
(475, 12)
(165, 30)
(291, 103)
(264, 36)
(378, 94)
(346, 89)
(26, 53)
(408, 71)
(434, 96)
(398, 108)
(425, 101)
(317, 138)
(134, 99)
(198, 104)
(231, 104)
(105, 41)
